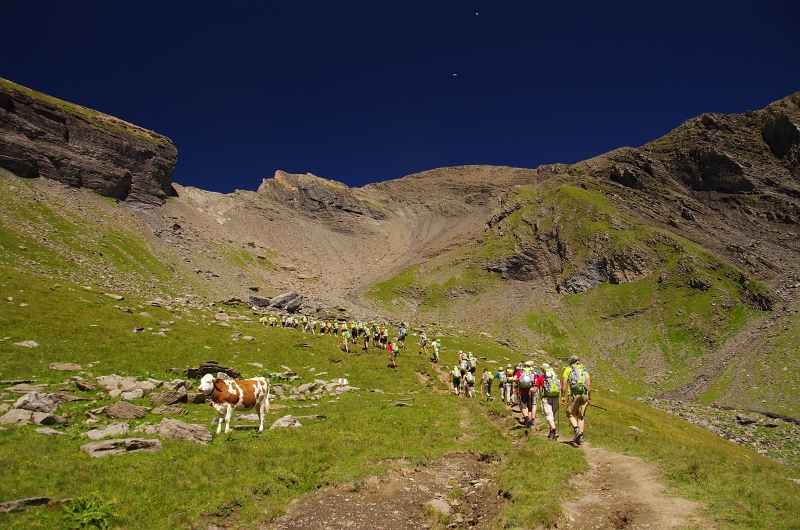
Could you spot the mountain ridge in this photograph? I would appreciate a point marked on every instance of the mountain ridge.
(673, 267)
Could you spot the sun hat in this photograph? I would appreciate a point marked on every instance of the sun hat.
(545, 366)
(573, 359)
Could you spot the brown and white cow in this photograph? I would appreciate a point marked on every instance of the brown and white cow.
(228, 395)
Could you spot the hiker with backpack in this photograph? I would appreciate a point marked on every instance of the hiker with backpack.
(392, 354)
(506, 377)
(469, 381)
(576, 389)
(456, 374)
(487, 384)
(549, 389)
(525, 379)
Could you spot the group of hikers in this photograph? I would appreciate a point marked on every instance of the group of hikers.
(349, 333)
(525, 386)
(521, 385)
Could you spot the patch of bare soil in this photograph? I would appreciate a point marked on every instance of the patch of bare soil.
(620, 492)
(461, 479)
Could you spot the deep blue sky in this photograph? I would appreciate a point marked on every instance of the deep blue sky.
(364, 91)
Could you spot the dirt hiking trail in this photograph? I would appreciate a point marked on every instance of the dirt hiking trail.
(617, 492)
(399, 500)
(621, 491)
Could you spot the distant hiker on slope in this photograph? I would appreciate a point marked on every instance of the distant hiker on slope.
(392, 354)
(576, 390)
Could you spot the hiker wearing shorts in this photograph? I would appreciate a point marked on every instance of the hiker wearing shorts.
(549, 386)
(487, 384)
(469, 380)
(392, 354)
(525, 379)
(576, 390)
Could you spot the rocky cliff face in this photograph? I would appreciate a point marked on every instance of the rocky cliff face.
(41, 136)
(316, 196)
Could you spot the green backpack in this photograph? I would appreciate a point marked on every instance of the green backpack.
(552, 387)
(578, 379)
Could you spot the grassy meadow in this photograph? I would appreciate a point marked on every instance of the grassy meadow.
(250, 477)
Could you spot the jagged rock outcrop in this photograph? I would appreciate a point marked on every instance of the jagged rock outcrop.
(41, 136)
(316, 195)
(290, 302)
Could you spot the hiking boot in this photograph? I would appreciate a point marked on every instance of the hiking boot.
(555, 435)
(578, 438)
(550, 434)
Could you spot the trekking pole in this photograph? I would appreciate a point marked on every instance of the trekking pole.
(597, 407)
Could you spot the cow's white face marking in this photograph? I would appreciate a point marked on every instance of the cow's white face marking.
(206, 384)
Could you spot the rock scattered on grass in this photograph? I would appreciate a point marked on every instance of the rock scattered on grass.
(23, 504)
(27, 344)
(48, 431)
(125, 411)
(39, 402)
(177, 430)
(121, 446)
(24, 388)
(165, 410)
(45, 418)
(16, 417)
(439, 506)
(286, 421)
(115, 429)
(65, 366)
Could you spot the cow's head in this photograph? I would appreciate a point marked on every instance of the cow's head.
(206, 384)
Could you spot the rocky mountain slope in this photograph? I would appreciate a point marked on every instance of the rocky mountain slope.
(672, 267)
(47, 137)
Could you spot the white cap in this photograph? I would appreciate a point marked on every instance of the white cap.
(545, 366)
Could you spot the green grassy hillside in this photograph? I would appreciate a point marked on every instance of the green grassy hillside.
(360, 435)
(652, 324)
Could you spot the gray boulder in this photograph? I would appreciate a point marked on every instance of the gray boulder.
(16, 417)
(259, 301)
(115, 429)
(439, 505)
(286, 421)
(168, 397)
(290, 302)
(121, 446)
(136, 393)
(45, 418)
(39, 402)
(177, 430)
(125, 411)
(48, 431)
(65, 366)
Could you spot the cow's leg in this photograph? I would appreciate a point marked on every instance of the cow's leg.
(219, 418)
(262, 411)
(228, 418)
